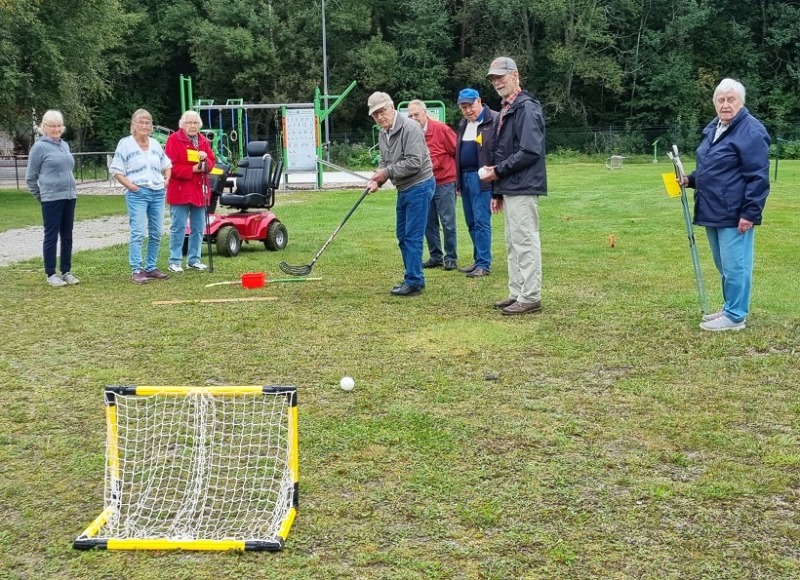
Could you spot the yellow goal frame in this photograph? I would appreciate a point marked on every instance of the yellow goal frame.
(88, 538)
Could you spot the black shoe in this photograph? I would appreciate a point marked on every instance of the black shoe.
(406, 290)
(432, 264)
(401, 284)
(477, 273)
(468, 269)
(450, 265)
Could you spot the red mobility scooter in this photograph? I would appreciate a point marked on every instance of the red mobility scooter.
(255, 183)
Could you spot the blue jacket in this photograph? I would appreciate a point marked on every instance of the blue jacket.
(486, 133)
(732, 176)
(518, 149)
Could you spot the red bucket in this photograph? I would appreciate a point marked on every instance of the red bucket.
(253, 280)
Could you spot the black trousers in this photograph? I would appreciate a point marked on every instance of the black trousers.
(58, 217)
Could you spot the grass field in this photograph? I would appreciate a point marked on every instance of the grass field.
(619, 441)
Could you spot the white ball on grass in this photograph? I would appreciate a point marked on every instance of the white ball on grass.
(347, 383)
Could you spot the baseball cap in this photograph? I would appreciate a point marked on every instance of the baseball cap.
(467, 96)
(502, 65)
(377, 101)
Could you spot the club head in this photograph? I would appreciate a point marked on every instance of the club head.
(304, 270)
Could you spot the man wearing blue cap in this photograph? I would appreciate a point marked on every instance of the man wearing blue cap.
(473, 151)
(519, 177)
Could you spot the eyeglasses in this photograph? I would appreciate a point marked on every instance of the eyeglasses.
(191, 122)
(414, 115)
(144, 123)
(494, 78)
(382, 112)
(54, 125)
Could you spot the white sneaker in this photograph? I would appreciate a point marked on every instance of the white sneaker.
(55, 281)
(175, 268)
(69, 278)
(713, 315)
(722, 323)
(198, 266)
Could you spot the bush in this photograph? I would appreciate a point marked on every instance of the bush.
(788, 149)
(354, 156)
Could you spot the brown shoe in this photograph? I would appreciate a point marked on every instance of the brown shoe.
(478, 273)
(468, 269)
(504, 303)
(156, 274)
(523, 308)
(139, 277)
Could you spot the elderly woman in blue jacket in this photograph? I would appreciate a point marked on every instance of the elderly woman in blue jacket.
(731, 185)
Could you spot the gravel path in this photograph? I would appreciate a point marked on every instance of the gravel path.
(26, 243)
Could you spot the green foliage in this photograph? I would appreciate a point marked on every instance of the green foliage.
(785, 149)
(53, 55)
(615, 63)
(685, 132)
(354, 156)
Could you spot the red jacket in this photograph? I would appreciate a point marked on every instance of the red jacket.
(186, 186)
(441, 141)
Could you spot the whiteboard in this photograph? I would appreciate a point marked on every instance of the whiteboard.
(300, 139)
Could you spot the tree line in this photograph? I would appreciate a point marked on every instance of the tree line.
(592, 63)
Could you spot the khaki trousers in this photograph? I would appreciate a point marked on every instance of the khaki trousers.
(524, 247)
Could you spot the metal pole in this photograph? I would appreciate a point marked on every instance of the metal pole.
(325, 83)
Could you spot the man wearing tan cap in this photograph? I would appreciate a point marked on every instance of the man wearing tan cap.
(406, 161)
(519, 177)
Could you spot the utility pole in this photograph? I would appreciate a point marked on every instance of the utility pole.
(325, 84)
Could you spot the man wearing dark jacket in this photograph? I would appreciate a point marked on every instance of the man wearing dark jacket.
(519, 177)
(473, 151)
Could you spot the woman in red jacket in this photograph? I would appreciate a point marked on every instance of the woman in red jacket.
(188, 190)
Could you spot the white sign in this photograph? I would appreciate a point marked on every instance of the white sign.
(300, 139)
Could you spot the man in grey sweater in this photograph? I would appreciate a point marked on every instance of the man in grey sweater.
(406, 161)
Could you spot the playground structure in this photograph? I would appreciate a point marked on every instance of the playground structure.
(296, 127)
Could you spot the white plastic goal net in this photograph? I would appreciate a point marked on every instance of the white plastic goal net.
(200, 465)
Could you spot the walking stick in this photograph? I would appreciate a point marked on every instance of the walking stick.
(698, 274)
(207, 200)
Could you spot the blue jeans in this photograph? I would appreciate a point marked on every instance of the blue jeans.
(443, 209)
(145, 216)
(412, 216)
(58, 217)
(177, 232)
(733, 257)
(478, 215)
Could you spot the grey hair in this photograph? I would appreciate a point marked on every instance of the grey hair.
(420, 104)
(730, 85)
(50, 117)
(138, 114)
(190, 113)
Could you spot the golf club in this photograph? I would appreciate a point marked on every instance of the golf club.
(305, 270)
(680, 174)
(267, 281)
(342, 169)
(207, 201)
